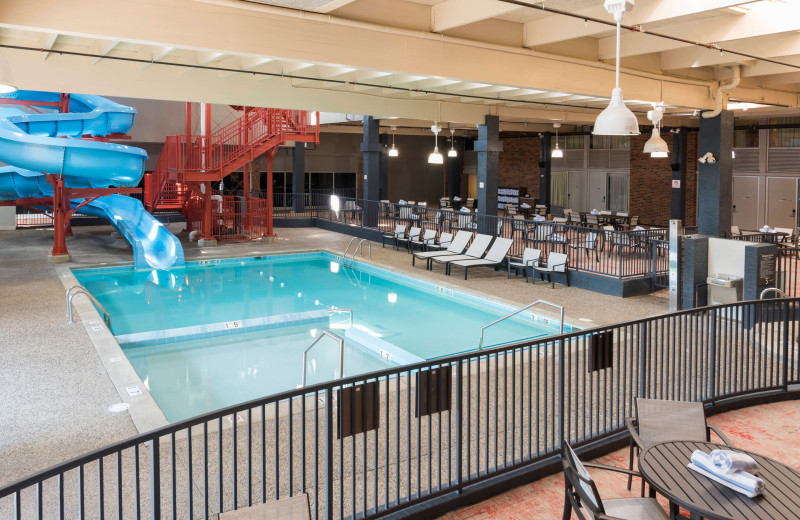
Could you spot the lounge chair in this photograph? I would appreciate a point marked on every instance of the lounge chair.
(456, 247)
(660, 420)
(428, 238)
(399, 232)
(497, 253)
(444, 242)
(556, 263)
(530, 259)
(476, 250)
(581, 494)
(413, 234)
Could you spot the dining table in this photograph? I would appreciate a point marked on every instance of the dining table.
(665, 467)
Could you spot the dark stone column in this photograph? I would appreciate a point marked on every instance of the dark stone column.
(715, 181)
(545, 169)
(695, 271)
(298, 177)
(454, 168)
(488, 147)
(371, 147)
(680, 148)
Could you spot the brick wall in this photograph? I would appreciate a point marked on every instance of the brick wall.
(691, 179)
(650, 182)
(519, 164)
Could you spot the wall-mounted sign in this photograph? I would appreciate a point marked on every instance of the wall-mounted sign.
(676, 183)
(766, 269)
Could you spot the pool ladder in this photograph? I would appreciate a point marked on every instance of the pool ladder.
(537, 302)
(359, 249)
(772, 289)
(79, 289)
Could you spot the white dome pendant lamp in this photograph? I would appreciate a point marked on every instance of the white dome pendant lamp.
(557, 152)
(452, 152)
(616, 119)
(656, 146)
(435, 157)
(393, 151)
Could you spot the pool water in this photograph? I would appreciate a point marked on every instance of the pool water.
(412, 320)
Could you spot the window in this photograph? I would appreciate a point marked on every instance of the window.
(784, 137)
(745, 138)
(610, 142)
(618, 192)
(558, 188)
(568, 142)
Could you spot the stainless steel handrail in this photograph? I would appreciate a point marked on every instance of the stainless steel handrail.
(361, 249)
(314, 342)
(772, 289)
(346, 249)
(495, 322)
(79, 289)
(342, 311)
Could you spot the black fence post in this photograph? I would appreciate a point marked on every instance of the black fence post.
(155, 480)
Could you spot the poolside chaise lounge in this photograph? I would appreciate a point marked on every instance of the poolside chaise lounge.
(456, 247)
(497, 253)
(476, 250)
(399, 232)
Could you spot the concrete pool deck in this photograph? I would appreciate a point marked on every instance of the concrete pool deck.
(56, 390)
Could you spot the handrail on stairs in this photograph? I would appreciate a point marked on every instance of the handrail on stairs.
(495, 322)
(314, 342)
(79, 289)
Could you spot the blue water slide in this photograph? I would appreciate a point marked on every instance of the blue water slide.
(33, 144)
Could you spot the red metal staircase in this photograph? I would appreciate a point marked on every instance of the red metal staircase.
(187, 160)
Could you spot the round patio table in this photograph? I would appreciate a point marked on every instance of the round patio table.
(663, 466)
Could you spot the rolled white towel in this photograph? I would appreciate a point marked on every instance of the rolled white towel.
(727, 461)
(525, 205)
(457, 198)
(595, 212)
(465, 209)
(638, 228)
(538, 218)
(738, 480)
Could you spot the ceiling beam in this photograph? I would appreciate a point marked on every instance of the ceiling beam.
(333, 5)
(47, 42)
(103, 48)
(763, 18)
(560, 28)
(159, 53)
(456, 13)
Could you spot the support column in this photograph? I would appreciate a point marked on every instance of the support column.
(680, 147)
(206, 225)
(270, 157)
(60, 208)
(488, 147)
(371, 147)
(298, 177)
(715, 181)
(545, 169)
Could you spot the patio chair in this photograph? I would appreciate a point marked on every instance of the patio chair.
(413, 234)
(592, 220)
(444, 202)
(467, 221)
(518, 224)
(497, 253)
(660, 420)
(456, 247)
(582, 495)
(510, 210)
(429, 237)
(530, 258)
(589, 243)
(399, 232)
(476, 250)
(785, 241)
(470, 203)
(540, 209)
(575, 218)
(556, 263)
(735, 231)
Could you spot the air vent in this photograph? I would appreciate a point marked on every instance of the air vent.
(574, 159)
(781, 160)
(599, 159)
(746, 160)
(619, 159)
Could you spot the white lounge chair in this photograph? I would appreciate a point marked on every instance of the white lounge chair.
(399, 232)
(413, 234)
(556, 263)
(530, 259)
(456, 247)
(428, 238)
(476, 250)
(497, 253)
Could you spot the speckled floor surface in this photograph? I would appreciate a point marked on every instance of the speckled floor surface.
(771, 430)
(55, 392)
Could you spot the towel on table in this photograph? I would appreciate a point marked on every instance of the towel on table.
(727, 461)
(740, 481)
(765, 229)
(595, 212)
(402, 202)
(356, 207)
(457, 198)
(525, 205)
(465, 209)
(538, 218)
(557, 237)
(638, 228)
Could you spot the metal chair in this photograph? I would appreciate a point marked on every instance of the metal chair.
(660, 420)
(556, 263)
(530, 259)
(589, 243)
(582, 495)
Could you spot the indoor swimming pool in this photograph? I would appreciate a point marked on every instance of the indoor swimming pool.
(245, 322)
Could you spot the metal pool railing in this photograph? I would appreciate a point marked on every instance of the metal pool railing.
(368, 445)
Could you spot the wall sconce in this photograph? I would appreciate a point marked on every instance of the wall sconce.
(707, 158)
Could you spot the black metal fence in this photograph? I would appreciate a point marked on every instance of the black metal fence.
(381, 442)
(789, 271)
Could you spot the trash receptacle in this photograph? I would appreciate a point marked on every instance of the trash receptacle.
(724, 288)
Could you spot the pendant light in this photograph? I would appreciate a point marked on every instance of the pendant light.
(452, 152)
(656, 146)
(557, 153)
(616, 119)
(393, 151)
(435, 157)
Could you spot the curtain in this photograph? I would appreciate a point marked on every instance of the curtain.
(618, 192)
(558, 189)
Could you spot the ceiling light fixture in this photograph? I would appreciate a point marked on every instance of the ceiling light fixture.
(616, 119)
(557, 153)
(452, 152)
(6, 80)
(656, 146)
(393, 151)
(435, 157)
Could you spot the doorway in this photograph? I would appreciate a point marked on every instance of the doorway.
(782, 202)
(576, 199)
(744, 213)
(597, 190)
